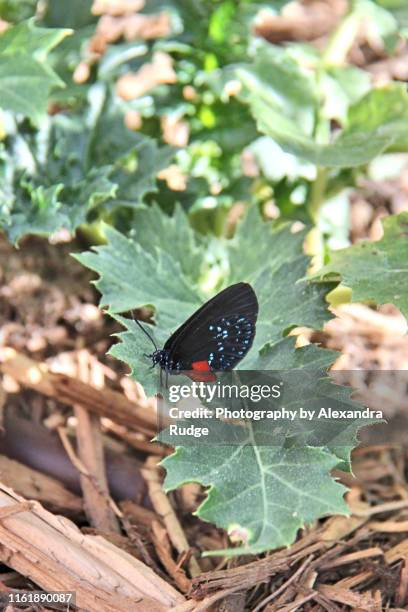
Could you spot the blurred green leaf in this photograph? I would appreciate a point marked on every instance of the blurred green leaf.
(375, 271)
(27, 39)
(342, 87)
(72, 14)
(55, 177)
(282, 83)
(375, 123)
(25, 85)
(379, 23)
(17, 10)
(26, 80)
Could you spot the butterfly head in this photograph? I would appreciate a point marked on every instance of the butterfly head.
(159, 356)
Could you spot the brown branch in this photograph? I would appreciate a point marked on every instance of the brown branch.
(246, 576)
(241, 577)
(35, 485)
(283, 586)
(347, 597)
(94, 485)
(140, 515)
(70, 391)
(165, 510)
(162, 545)
(133, 439)
(55, 555)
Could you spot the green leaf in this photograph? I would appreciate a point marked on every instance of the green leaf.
(275, 265)
(46, 184)
(17, 10)
(132, 276)
(375, 271)
(284, 85)
(148, 268)
(88, 160)
(151, 225)
(379, 23)
(307, 366)
(263, 495)
(25, 79)
(375, 123)
(75, 14)
(43, 217)
(343, 86)
(136, 173)
(27, 39)
(261, 488)
(385, 109)
(25, 85)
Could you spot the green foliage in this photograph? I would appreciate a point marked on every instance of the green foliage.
(271, 492)
(375, 271)
(292, 93)
(25, 78)
(16, 10)
(61, 175)
(375, 123)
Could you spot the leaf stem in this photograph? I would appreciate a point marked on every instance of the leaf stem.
(335, 54)
(97, 112)
(317, 193)
(343, 38)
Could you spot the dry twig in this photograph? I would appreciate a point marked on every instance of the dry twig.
(90, 449)
(68, 390)
(165, 510)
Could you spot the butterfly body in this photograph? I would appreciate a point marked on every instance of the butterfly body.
(216, 337)
(162, 357)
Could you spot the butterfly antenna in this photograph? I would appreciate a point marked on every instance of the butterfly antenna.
(145, 331)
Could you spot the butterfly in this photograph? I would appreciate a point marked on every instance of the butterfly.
(216, 337)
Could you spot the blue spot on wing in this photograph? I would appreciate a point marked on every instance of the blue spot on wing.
(232, 337)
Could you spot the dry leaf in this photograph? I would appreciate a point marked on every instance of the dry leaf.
(249, 164)
(300, 21)
(111, 28)
(147, 26)
(97, 45)
(159, 71)
(175, 131)
(232, 88)
(4, 25)
(82, 73)
(176, 180)
(133, 120)
(189, 93)
(116, 7)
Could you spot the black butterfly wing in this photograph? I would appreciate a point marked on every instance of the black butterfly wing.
(219, 334)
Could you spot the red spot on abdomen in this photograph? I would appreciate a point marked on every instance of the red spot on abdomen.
(201, 366)
(202, 372)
